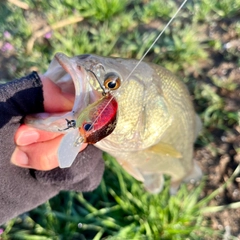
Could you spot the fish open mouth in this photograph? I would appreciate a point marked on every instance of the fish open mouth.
(78, 80)
(73, 78)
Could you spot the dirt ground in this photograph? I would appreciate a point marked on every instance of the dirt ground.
(219, 167)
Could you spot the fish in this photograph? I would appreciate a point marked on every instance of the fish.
(156, 124)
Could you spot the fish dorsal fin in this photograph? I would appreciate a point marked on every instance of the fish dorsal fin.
(165, 149)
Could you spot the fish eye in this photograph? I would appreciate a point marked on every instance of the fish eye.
(87, 126)
(112, 81)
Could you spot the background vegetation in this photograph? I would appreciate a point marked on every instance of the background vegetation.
(202, 46)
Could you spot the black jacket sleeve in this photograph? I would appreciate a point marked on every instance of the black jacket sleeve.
(24, 189)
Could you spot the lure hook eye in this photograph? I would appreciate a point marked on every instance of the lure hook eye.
(87, 126)
(70, 124)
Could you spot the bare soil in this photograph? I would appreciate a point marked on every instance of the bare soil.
(220, 158)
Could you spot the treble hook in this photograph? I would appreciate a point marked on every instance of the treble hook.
(70, 124)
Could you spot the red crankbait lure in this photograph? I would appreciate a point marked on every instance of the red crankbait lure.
(95, 122)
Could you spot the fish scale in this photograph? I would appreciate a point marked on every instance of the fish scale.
(184, 127)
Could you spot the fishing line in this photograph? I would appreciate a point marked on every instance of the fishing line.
(157, 38)
(144, 55)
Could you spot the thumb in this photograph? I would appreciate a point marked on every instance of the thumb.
(54, 99)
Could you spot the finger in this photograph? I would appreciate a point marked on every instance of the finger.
(54, 99)
(39, 156)
(26, 135)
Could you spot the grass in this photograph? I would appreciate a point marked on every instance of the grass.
(120, 208)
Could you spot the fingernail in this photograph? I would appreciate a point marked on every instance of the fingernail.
(27, 137)
(19, 157)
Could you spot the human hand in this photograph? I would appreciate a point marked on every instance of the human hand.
(37, 148)
(22, 189)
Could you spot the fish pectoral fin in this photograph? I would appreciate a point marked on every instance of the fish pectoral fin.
(131, 170)
(154, 182)
(165, 149)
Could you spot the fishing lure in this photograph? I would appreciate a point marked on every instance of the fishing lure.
(95, 122)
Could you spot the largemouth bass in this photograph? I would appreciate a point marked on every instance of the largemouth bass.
(156, 124)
